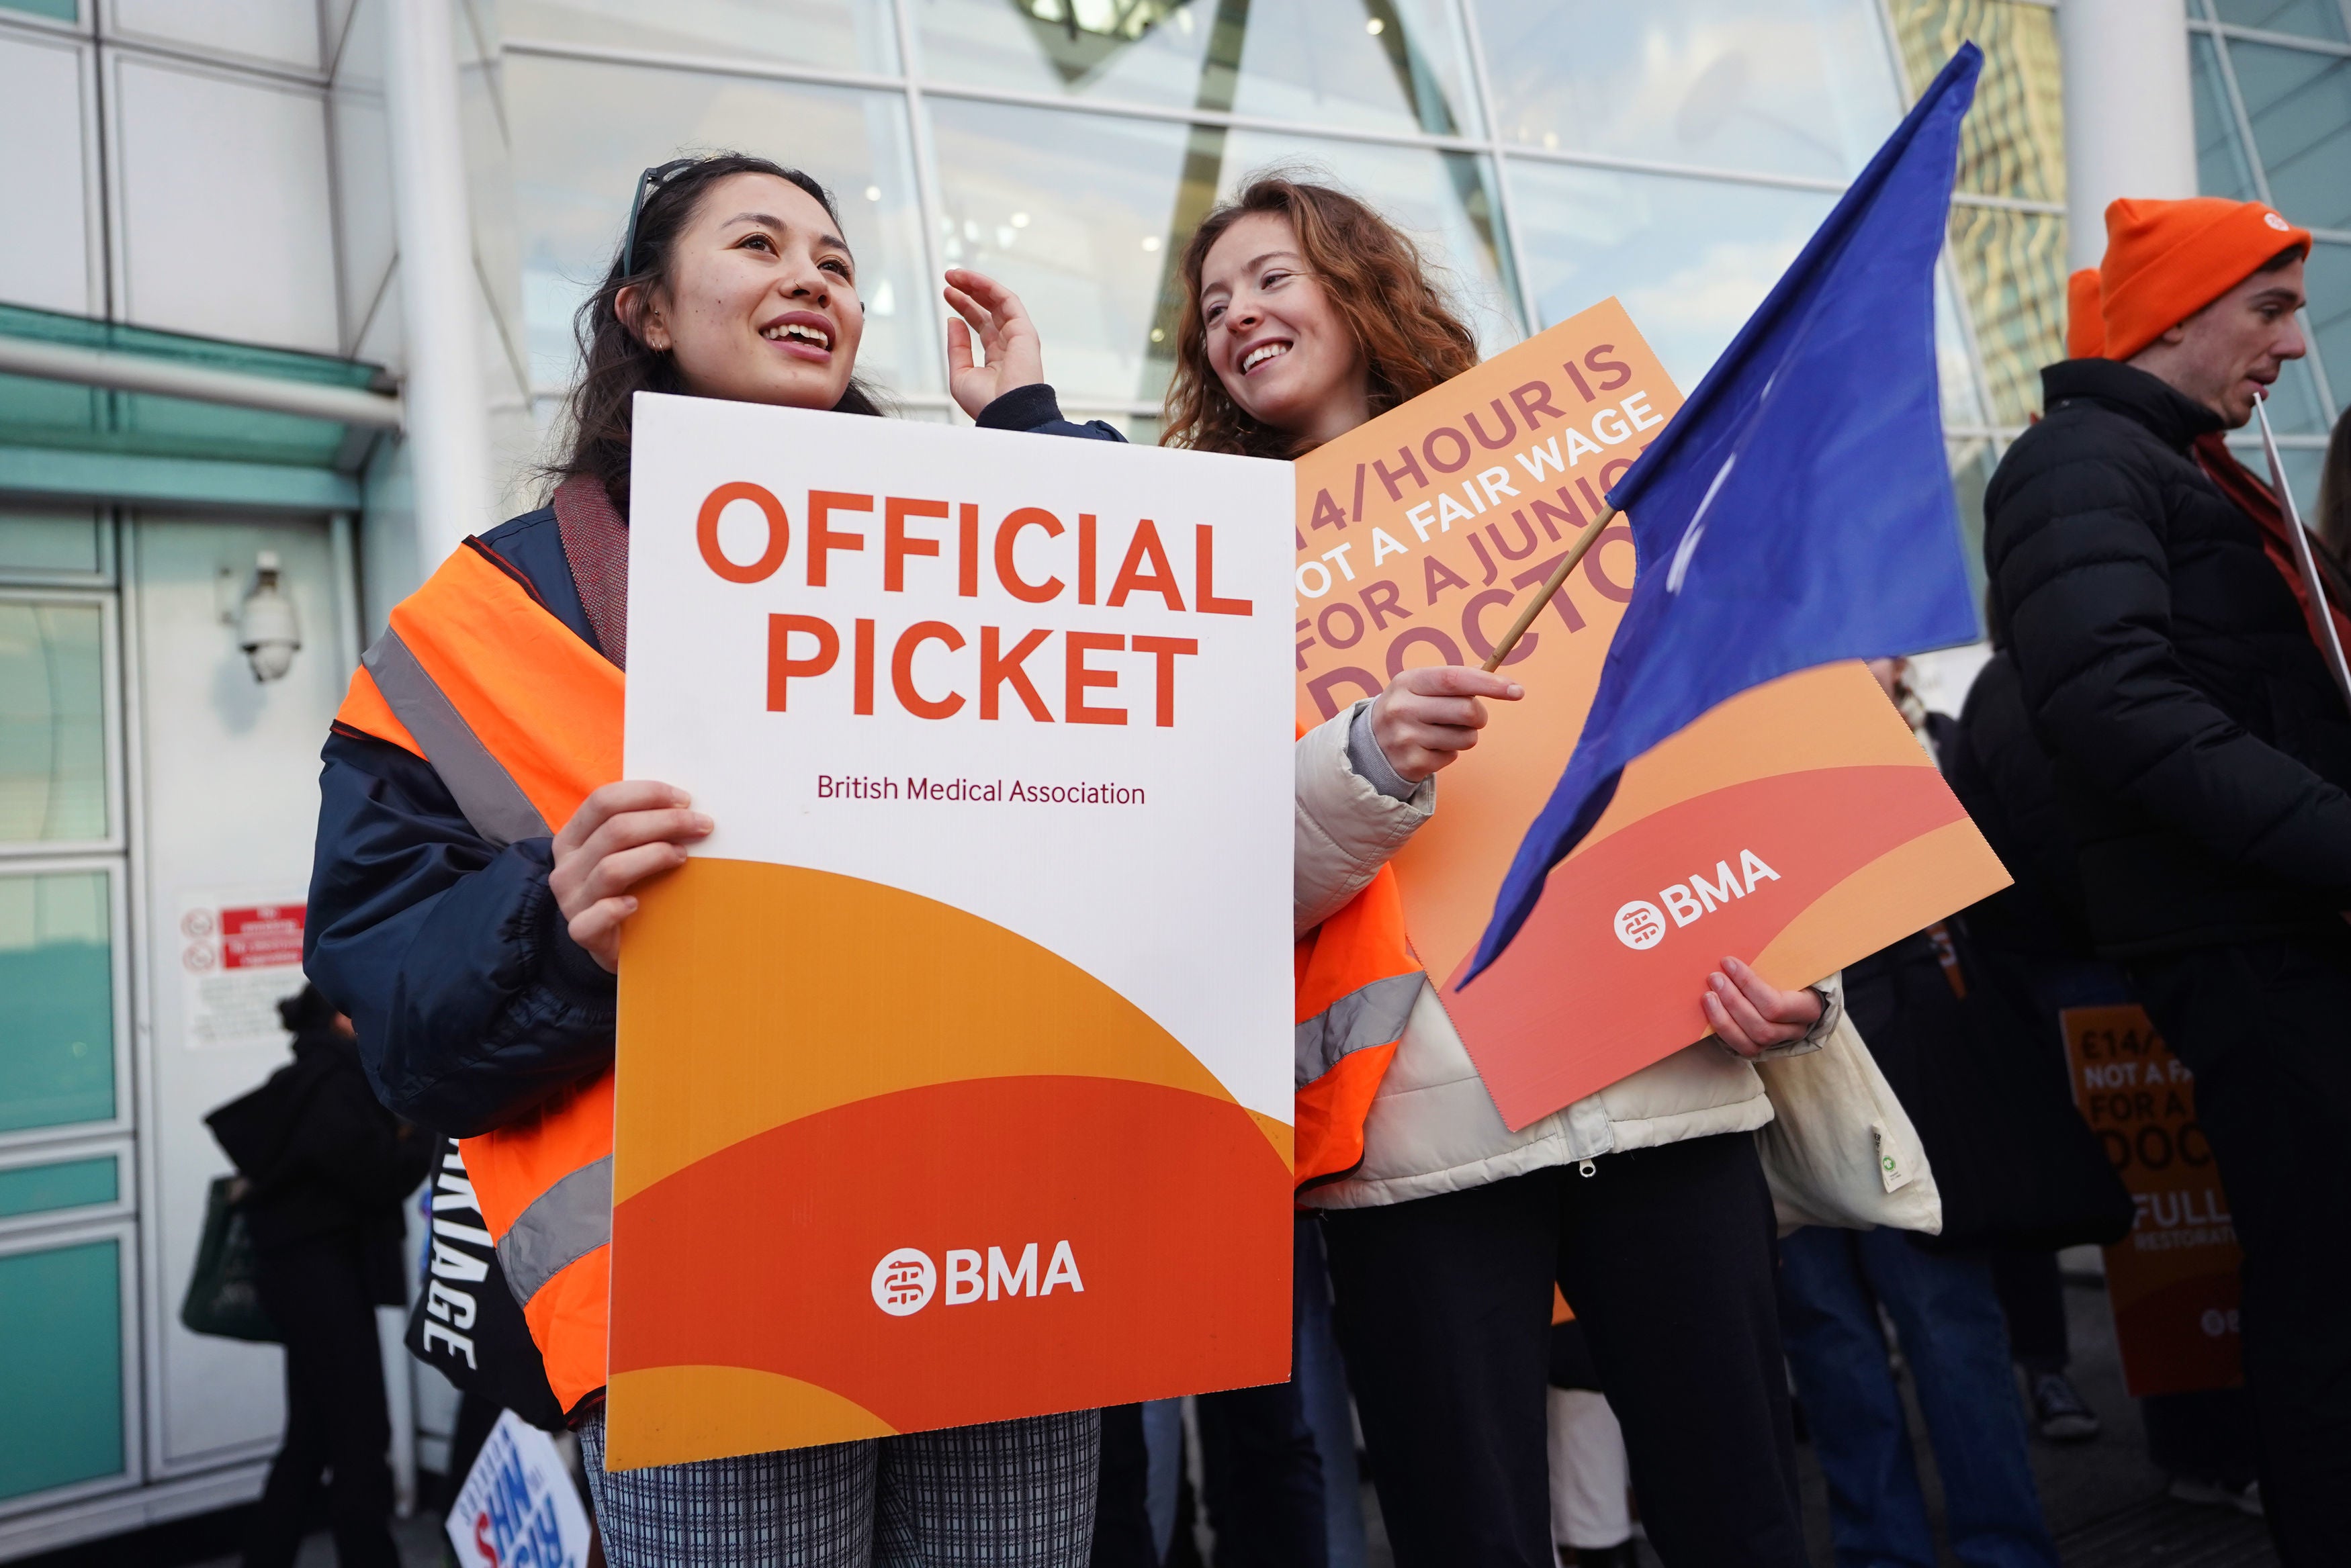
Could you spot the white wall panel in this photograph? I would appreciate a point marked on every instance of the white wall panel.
(229, 784)
(47, 128)
(279, 32)
(222, 197)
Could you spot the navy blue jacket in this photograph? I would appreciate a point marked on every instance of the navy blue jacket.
(471, 1002)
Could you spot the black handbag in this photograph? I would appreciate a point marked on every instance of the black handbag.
(1987, 1089)
(222, 1298)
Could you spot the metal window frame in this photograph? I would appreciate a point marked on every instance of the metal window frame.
(124, 1234)
(35, 852)
(124, 1206)
(101, 525)
(124, 1121)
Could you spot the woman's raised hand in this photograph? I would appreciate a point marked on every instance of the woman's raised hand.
(1751, 1016)
(1431, 713)
(621, 834)
(1015, 357)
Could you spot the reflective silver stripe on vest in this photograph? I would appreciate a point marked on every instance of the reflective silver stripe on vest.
(563, 1224)
(482, 788)
(1373, 1015)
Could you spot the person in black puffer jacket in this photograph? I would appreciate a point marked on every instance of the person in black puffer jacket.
(2204, 757)
(328, 1168)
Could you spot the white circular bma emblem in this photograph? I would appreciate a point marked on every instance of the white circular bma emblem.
(904, 1282)
(2274, 221)
(1640, 925)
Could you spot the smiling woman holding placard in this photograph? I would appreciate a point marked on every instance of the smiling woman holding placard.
(1306, 314)
(478, 855)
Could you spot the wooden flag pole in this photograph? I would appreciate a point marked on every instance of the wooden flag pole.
(1559, 575)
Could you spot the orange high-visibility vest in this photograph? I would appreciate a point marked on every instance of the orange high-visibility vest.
(1357, 979)
(521, 719)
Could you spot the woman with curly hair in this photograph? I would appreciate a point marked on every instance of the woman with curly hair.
(1306, 314)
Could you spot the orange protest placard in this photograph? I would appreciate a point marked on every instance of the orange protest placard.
(1798, 825)
(2172, 1281)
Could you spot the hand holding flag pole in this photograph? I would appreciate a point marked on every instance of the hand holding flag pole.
(1551, 587)
(2301, 555)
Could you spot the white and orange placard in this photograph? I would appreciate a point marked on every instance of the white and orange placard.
(2172, 1281)
(1798, 825)
(954, 1066)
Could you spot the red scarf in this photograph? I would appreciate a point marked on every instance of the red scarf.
(2253, 498)
(596, 543)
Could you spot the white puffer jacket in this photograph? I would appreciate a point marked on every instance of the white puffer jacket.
(1433, 1127)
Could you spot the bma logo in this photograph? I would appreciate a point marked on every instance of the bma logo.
(1641, 925)
(905, 1280)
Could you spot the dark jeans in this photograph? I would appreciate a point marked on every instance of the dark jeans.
(1444, 1313)
(2033, 1298)
(1832, 1283)
(2266, 1028)
(335, 1413)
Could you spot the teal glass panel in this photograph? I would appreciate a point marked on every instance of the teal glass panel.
(49, 541)
(2299, 105)
(2223, 167)
(57, 1001)
(57, 10)
(36, 412)
(52, 722)
(61, 1314)
(62, 1184)
(2327, 280)
(2309, 18)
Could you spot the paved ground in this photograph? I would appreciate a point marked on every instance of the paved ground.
(2104, 1499)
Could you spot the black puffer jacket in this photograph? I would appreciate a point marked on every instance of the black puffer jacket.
(2202, 751)
(1997, 766)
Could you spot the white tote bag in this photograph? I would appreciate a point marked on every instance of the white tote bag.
(1840, 1150)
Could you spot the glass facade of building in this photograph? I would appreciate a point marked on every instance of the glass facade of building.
(211, 185)
(1675, 155)
(2273, 81)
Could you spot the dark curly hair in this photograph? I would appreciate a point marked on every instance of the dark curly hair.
(615, 365)
(1375, 278)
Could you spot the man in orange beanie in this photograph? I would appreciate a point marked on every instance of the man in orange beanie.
(2203, 753)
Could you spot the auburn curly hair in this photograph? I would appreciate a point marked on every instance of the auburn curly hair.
(1376, 280)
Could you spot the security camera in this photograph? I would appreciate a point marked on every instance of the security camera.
(267, 627)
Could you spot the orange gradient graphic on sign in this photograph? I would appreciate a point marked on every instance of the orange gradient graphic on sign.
(1798, 825)
(904, 1078)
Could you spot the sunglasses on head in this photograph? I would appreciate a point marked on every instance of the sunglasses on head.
(651, 181)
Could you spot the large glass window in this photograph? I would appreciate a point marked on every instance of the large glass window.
(2311, 18)
(2224, 167)
(2298, 102)
(1691, 259)
(56, 999)
(2014, 264)
(837, 34)
(52, 722)
(583, 130)
(1374, 65)
(1759, 85)
(1085, 216)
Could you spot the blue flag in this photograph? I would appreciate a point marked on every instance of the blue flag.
(1798, 509)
